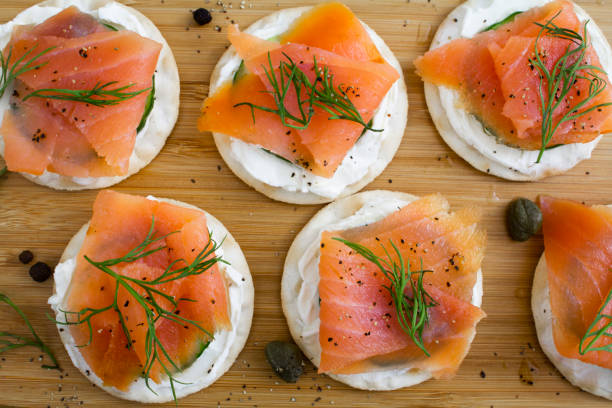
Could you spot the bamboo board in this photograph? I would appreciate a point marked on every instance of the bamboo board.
(190, 169)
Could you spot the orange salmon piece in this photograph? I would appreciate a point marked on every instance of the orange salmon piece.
(85, 55)
(359, 330)
(119, 223)
(333, 27)
(322, 145)
(502, 88)
(578, 251)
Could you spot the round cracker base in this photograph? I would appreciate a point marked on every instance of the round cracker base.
(160, 122)
(231, 252)
(473, 154)
(589, 377)
(291, 284)
(392, 135)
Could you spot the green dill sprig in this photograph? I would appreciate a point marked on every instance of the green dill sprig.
(149, 301)
(19, 67)
(556, 84)
(321, 93)
(411, 311)
(110, 26)
(240, 72)
(148, 106)
(505, 21)
(592, 336)
(3, 171)
(99, 95)
(10, 341)
(278, 156)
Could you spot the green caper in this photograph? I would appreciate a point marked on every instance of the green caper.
(286, 360)
(523, 219)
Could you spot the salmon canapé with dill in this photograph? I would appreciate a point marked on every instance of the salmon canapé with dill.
(78, 90)
(398, 296)
(305, 97)
(577, 242)
(535, 81)
(149, 300)
(572, 296)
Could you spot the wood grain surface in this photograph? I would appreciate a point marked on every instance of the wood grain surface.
(190, 169)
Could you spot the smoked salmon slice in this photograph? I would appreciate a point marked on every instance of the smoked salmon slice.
(502, 88)
(333, 27)
(578, 251)
(359, 330)
(84, 54)
(69, 23)
(119, 223)
(353, 63)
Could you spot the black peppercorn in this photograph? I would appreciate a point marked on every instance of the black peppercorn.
(40, 271)
(202, 16)
(25, 257)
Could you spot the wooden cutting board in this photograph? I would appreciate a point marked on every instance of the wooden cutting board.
(505, 367)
